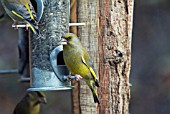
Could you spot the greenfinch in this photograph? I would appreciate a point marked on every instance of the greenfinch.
(21, 11)
(30, 104)
(78, 62)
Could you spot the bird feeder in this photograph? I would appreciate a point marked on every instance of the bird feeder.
(47, 68)
(46, 80)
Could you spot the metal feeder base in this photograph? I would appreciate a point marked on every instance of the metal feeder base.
(50, 88)
(46, 81)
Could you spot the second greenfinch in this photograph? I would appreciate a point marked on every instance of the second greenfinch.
(78, 62)
(30, 104)
(21, 11)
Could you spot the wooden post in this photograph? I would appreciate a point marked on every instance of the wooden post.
(87, 13)
(107, 37)
(115, 35)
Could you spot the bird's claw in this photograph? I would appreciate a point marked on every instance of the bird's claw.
(68, 78)
(71, 77)
(27, 26)
(78, 77)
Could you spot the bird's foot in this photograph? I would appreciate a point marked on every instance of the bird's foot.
(71, 77)
(78, 77)
(27, 26)
(68, 78)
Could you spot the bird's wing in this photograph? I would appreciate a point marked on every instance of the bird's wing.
(89, 67)
(86, 60)
(18, 1)
(19, 108)
(23, 11)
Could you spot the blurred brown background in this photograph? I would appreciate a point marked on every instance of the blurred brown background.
(150, 74)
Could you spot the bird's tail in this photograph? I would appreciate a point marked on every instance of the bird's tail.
(97, 82)
(34, 28)
(96, 99)
(92, 86)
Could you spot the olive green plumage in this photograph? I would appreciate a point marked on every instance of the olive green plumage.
(78, 62)
(30, 104)
(21, 11)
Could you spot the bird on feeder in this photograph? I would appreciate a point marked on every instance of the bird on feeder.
(78, 62)
(21, 11)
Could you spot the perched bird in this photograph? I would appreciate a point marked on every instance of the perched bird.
(30, 104)
(78, 62)
(21, 11)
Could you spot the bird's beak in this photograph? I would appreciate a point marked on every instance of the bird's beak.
(43, 100)
(63, 41)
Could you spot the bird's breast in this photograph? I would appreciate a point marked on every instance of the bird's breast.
(73, 61)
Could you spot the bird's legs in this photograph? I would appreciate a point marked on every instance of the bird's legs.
(27, 26)
(71, 77)
(78, 77)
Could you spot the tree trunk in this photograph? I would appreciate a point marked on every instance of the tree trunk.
(107, 37)
(115, 29)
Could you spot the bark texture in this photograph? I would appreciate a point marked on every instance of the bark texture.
(115, 29)
(73, 15)
(107, 37)
(87, 10)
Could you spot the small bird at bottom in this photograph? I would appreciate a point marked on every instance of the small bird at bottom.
(30, 104)
(78, 62)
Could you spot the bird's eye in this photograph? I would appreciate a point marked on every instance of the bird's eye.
(69, 38)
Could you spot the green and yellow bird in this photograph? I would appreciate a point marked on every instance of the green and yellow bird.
(79, 63)
(21, 11)
(30, 104)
